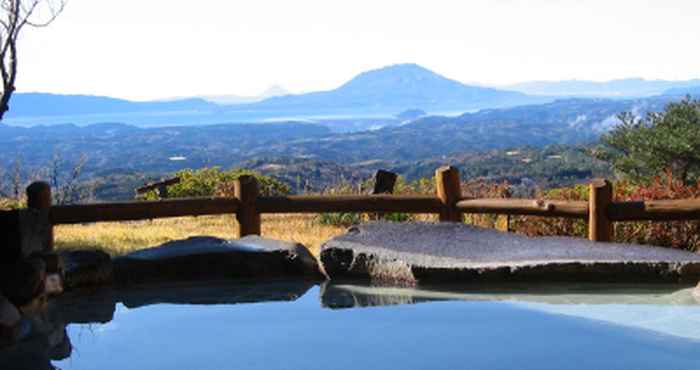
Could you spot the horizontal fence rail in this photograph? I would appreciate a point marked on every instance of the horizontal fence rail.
(525, 207)
(247, 204)
(655, 210)
(146, 210)
(349, 203)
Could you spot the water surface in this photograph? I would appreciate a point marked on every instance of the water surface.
(360, 327)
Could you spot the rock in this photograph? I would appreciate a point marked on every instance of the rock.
(23, 282)
(53, 284)
(412, 253)
(9, 318)
(54, 263)
(207, 258)
(87, 268)
(696, 293)
(9, 315)
(217, 292)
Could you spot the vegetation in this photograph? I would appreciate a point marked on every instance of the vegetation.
(665, 141)
(211, 181)
(675, 234)
(117, 238)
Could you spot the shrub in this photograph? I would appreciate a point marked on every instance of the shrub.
(674, 234)
(212, 181)
(421, 186)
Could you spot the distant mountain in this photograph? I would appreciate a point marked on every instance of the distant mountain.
(272, 91)
(693, 91)
(376, 93)
(622, 88)
(395, 88)
(41, 105)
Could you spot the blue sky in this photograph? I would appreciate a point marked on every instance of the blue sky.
(149, 49)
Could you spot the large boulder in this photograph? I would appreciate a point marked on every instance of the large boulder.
(412, 253)
(87, 268)
(208, 258)
(9, 318)
(9, 315)
(23, 282)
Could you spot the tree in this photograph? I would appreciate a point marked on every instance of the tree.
(212, 181)
(15, 15)
(641, 148)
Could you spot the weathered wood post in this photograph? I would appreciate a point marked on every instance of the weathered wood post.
(247, 191)
(449, 191)
(600, 228)
(384, 182)
(163, 191)
(39, 198)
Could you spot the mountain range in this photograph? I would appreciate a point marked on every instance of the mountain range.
(620, 88)
(368, 101)
(382, 92)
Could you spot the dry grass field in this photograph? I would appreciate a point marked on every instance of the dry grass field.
(118, 238)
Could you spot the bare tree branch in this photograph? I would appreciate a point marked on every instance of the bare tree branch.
(14, 16)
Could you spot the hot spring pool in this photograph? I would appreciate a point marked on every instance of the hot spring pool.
(360, 327)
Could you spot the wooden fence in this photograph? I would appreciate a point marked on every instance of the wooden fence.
(600, 211)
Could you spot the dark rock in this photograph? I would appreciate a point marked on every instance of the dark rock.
(411, 253)
(9, 318)
(84, 306)
(87, 268)
(207, 258)
(54, 263)
(9, 315)
(214, 292)
(45, 341)
(23, 282)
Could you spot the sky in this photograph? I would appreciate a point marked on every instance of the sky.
(154, 49)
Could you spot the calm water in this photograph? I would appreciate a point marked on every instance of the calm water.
(358, 327)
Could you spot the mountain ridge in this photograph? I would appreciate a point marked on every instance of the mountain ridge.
(621, 88)
(395, 88)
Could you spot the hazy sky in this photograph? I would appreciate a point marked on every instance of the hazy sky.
(144, 49)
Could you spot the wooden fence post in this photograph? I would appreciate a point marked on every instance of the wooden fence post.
(247, 191)
(503, 221)
(384, 182)
(600, 228)
(449, 191)
(39, 198)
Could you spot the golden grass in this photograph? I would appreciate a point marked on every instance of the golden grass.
(118, 238)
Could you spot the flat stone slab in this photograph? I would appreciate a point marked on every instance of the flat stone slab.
(208, 258)
(412, 253)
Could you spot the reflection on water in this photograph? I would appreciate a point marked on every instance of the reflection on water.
(284, 326)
